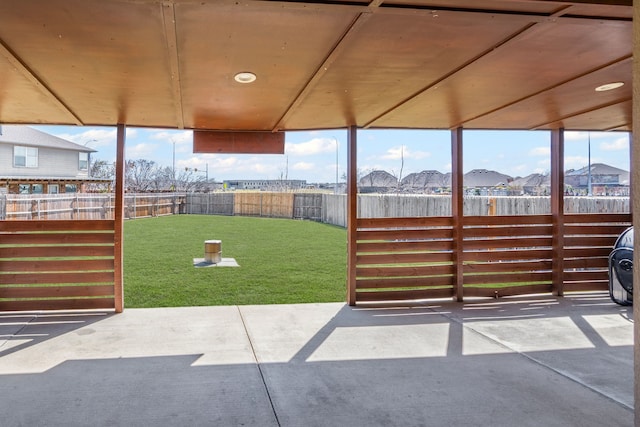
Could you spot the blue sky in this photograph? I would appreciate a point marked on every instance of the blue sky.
(311, 155)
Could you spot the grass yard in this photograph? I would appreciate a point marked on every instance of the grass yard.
(281, 261)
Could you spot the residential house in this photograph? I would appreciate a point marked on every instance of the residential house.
(35, 162)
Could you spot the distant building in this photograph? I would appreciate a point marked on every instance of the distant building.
(264, 184)
(34, 162)
(605, 180)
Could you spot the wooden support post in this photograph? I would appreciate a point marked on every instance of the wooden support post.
(352, 212)
(557, 211)
(457, 212)
(119, 221)
(635, 203)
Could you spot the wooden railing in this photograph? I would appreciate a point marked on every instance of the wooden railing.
(588, 241)
(507, 255)
(404, 258)
(58, 264)
(413, 258)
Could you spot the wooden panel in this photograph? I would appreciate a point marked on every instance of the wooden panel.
(428, 245)
(507, 220)
(601, 218)
(512, 255)
(585, 275)
(445, 221)
(238, 142)
(56, 225)
(534, 276)
(57, 304)
(56, 238)
(406, 234)
(591, 285)
(62, 277)
(78, 253)
(533, 230)
(602, 262)
(403, 295)
(55, 251)
(474, 291)
(39, 265)
(504, 243)
(587, 252)
(589, 241)
(409, 271)
(396, 258)
(56, 291)
(594, 229)
(417, 282)
(502, 267)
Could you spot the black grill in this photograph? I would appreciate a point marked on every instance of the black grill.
(621, 269)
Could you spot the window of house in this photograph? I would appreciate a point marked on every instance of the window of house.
(70, 188)
(24, 188)
(83, 164)
(53, 189)
(26, 157)
(37, 189)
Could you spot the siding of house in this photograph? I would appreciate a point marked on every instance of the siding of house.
(51, 163)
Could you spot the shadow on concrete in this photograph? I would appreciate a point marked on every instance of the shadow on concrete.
(527, 362)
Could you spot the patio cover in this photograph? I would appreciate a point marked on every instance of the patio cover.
(440, 64)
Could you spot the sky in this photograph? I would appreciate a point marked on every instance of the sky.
(320, 156)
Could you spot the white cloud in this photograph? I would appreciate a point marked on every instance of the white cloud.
(615, 145)
(303, 166)
(140, 151)
(447, 168)
(397, 153)
(540, 151)
(312, 147)
(575, 162)
(97, 137)
(179, 137)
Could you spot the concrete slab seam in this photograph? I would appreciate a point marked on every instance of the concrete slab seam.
(19, 331)
(255, 357)
(536, 361)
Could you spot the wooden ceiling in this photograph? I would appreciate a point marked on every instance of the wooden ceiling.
(430, 64)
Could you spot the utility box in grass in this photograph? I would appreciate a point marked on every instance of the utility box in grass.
(213, 251)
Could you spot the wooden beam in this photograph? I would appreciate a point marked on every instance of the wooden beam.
(635, 203)
(119, 221)
(578, 113)
(487, 53)
(457, 212)
(334, 54)
(171, 40)
(36, 81)
(352, 212)
(238, 142)
(548, 89)
(557, 210)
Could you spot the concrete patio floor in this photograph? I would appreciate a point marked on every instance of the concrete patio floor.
(536, 361)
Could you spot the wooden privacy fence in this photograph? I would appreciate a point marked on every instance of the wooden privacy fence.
(415, 258)
(88, 206)
(273, 205)
(62, 264)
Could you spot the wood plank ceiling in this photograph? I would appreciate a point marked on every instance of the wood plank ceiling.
(439, 64)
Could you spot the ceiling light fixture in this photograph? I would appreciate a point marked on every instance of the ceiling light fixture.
(245, 77)
(609, 86)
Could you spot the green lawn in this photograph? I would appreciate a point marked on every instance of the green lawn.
(281, 261)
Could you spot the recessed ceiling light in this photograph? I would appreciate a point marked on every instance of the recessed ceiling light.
(245, 77)
(609, 86)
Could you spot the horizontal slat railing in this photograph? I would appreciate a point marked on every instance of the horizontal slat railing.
(507, 255)
(412, 258)
(404, 258)
(56, 264)
(588, 241)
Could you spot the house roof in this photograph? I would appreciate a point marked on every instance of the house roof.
(25, 135)
(441, 64)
